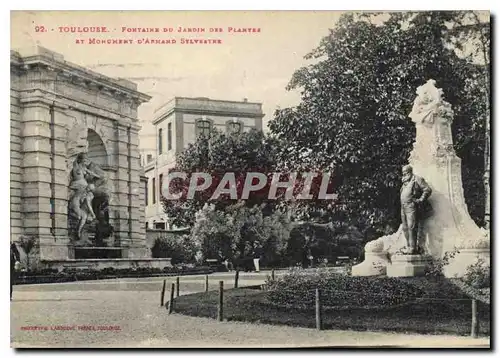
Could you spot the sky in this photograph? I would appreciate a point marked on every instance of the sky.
(256, 65)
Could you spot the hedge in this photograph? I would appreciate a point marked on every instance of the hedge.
(297, 289)
(73, 274)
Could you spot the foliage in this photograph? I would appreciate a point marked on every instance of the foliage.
(478, 275)
(348, 268)
(322, 242)
(356, 97)
(436, 266)
(29, 244)
(297, 289)
(252, 305)
(73, 274)
(217, 154)
(177, 247)
(236, 230)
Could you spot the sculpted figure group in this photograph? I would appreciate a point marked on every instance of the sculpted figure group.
(84, 177)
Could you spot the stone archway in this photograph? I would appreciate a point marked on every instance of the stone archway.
(96, 149)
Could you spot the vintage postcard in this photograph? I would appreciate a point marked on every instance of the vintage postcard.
(250, 179)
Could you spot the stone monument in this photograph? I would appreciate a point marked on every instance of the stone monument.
(448, 227)
(76, 181)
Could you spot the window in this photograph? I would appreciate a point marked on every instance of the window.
(146, 194)
(169, 136)
(234, 127)
(203, 127)
(160, 226)
(160, 141)
(154, 190)
(161, 185)
(149, 158)
(52, 208)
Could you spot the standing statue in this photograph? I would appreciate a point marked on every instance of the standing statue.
(414, 207)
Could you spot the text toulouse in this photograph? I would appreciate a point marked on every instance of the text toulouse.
(96, 29)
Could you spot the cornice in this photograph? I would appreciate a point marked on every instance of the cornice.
(208, 113)
(81, 76)
(36, 95)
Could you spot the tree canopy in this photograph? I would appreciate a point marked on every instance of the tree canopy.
(353, 115)
(217, 154)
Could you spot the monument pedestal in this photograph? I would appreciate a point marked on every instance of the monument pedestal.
(375, 264)
(466, 258)
(408, 265)
(54, 248)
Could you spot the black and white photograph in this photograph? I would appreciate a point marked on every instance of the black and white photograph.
(250, 179)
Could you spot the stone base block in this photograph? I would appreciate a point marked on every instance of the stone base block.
(139, 253)
(462, 260)
(98, 264)
(98, 253)
(51, 249)
(408, 265)
(375, 264)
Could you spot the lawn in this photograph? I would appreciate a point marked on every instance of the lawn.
(433, 314)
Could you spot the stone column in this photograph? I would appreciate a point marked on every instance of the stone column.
(16, 171)
(143, 193)
(60, 189)
(121, 202)
(138, 247)
(43, 195)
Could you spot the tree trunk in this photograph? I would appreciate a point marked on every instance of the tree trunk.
(484, 42)
(487, 173)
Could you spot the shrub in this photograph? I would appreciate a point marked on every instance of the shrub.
(29, 244)
(108, 271)
(477, 275)
(179, 248)
(348, 269)
(436, 267)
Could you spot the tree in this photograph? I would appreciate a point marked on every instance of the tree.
(353, 116)
(234, 231)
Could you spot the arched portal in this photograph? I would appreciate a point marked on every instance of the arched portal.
(96, 149)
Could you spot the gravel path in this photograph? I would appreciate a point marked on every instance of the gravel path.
(126, 313)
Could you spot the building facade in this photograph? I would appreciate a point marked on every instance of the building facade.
(59, 112)
(177, 124)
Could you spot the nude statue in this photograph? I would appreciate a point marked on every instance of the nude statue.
(80, 204)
